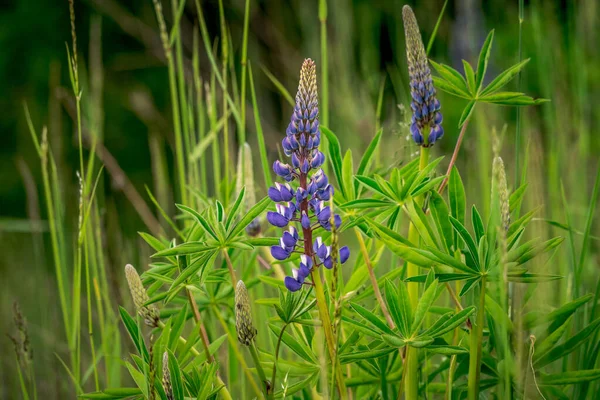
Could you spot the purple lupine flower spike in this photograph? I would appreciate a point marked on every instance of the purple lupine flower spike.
(426, 124)
(304, 204)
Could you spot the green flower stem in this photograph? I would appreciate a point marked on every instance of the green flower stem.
(224, 392)
(234, 345)
(259, 368)
(475, 348)
(274, 374)
(365, 254)
(324, 315)
(412, 363)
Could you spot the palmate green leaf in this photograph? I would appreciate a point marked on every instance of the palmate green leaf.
(177, 326)
(365, 354)
(372, 318)
(155, 243)
(112, 394)
(516, 198)
(420, 222)
(297, 345)
(334, 151)
(372, 184)
(470, 74)
(420, 341)
(547, 343)
(512, 99)
(398, 303)
(457, 198)
(250, 216)
(557, 317)
(176, 378)
(503, 78)
(498, 314)
(484, 56)
(298, 386)
(134, 332)
(446, 350)
(568, 346)
(347, 173)
(478, 227)
(185, 249)
(468, 239)
(533, 278)
(468, 286)
(445, 86)
(531, 249)
(570, 377)
(466, 114)
(198, 265)
(440, 277)
(452, 78)
(200, 219)
(138, 377)
(368, 204)
(425, 302)
(359, 326)
(235, 208)
(393, 340)
(440, 213)
(365, 161)
(445, 324)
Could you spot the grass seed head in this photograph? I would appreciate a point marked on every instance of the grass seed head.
(166, 381)
(246, 332)
(500, 177)
(140, 297)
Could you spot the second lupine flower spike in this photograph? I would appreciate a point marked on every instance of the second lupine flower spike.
(304, 204)
(426, 124)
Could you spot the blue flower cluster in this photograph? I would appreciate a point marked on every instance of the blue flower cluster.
(425, 105)
(307, 203)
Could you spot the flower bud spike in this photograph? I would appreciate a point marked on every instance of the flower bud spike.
(246, 332)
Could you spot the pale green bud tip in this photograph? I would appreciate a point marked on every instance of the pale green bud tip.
(166, 381)
(243, 315)
(140, 297)
(502, 187)
(307, 86)
(414, 44)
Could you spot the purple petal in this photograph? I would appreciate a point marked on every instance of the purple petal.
(275, 194)
(279, 253)
(328, 263)
(325, 214)
(338, 220)
(291, 284)
(322, 252)
(288, 239)
(277, 219)
(305, 221)
(344, 254)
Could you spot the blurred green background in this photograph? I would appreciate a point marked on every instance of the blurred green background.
(122, 63)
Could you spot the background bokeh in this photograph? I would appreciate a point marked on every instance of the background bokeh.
(122, 63)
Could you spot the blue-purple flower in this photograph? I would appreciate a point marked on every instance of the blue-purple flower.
(306, 203)
(426, 124)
